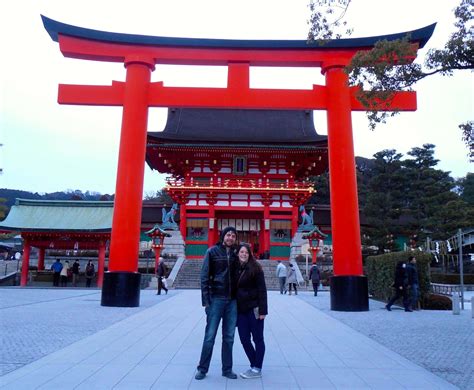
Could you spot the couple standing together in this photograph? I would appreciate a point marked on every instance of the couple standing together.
(233, 290)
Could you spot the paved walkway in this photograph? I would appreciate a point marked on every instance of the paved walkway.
(157, 345)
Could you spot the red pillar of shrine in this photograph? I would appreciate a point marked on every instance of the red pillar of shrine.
(41, 253)
(101, 265)
(266, 228)
(212, 223)
(349, 290)
(25, 263)
(121, 285)
(294, 220)
(182, 219)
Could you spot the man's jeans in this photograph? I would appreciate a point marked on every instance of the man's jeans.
(414, 294)
(227, 310)
(282, 281)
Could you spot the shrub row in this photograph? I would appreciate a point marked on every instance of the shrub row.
(380, 271)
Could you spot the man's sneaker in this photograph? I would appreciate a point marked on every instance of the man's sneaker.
(199, 375)
(230, 375)
(251, 373)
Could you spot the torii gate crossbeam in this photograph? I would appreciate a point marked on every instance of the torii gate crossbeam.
(140, 54)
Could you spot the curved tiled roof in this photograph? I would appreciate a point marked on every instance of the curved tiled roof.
(239, 126)
(53, 215)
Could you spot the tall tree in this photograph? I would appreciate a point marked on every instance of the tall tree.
(161, 196)
(384, 200)
(466, 185)
(427, 192)
(388, 67)
(3, 209)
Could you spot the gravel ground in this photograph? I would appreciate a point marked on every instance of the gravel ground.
(439, 341)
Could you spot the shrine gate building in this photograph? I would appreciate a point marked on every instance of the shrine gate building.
(243, 168)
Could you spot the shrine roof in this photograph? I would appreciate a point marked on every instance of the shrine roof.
(239, 126)
(55, 28)
(54, 215)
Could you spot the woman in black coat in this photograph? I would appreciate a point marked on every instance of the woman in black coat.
(252, 309)
(400, 285)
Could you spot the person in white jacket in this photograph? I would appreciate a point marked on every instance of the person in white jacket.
(281, 274)
(292, 279)
(64, 274)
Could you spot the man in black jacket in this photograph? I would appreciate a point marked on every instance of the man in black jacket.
(160, 274)
(218, 292)
(413, 282)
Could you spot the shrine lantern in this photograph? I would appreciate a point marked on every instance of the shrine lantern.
(157, 236)
(314, 236)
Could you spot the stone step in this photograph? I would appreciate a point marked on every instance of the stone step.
(189, 274)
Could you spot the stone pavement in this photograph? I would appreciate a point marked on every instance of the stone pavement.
(64, 339)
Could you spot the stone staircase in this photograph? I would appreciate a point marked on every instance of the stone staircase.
(189, 275)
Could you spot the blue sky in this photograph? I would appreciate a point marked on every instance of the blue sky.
(48, 147)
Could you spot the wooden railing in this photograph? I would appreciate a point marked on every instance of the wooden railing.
(239, 183)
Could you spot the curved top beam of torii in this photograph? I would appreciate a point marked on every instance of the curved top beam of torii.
(83, 43)
(237, 55)
(55, 28)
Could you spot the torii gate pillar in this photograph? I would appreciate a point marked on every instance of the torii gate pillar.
(121, 285)
(349, 288)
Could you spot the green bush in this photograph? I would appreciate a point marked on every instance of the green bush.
(380, 271)
(437, 302)
(451, 278)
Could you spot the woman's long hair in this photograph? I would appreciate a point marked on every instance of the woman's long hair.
(253, 266)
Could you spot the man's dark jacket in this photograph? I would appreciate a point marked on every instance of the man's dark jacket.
(219, 274)
(412, 274)
(251, 291)
(161, 271)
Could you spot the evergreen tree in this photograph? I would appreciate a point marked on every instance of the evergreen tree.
(428, 190)
(389, 66)
(383, 200)
(467, 189)
(3, 209)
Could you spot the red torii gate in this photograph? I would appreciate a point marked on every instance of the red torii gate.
(141, 53)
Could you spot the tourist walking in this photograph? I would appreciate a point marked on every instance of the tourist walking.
(56, 267)
(75, 272)
(281, 275)
(291, 279)
(90, 273)
(161, 275)
(315, 277)
(64, 274)
(400, 285)
(218, 293)
(413, 282)
(252, 309)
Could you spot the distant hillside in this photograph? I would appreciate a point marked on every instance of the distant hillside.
(11, 195)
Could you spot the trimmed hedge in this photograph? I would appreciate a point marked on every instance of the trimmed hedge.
(452, 278)
(437, 302)
(380, 271)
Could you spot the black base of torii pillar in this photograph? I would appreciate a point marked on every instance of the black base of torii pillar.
(121, 289)
(349, 293)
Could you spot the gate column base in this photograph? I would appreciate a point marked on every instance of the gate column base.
(121, 289)
(349, 293)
